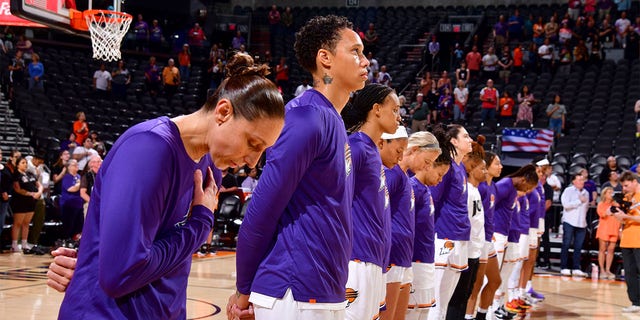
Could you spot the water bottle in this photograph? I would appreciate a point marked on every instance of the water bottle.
(594, 271)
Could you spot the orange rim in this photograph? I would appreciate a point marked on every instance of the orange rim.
(79, 19)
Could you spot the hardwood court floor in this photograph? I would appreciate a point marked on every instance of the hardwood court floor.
(24, 294)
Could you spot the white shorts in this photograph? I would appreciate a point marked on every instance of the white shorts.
(423, 289)
(541, 227)
(499, 242)
(366, 290)
(452, 254)
(523, 246)
(513, 252)
(403, 275)
(488, 251)
(270, 308)
(533, 238)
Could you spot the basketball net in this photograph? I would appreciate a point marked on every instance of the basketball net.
(107, 28)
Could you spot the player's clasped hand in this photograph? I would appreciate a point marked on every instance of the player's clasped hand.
(239, 308)
(206, 196)
(61, 269)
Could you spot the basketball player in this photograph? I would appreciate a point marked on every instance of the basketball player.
(149, 211)
(422, 150)
(294, 245)
(452, 225)
(370, 113)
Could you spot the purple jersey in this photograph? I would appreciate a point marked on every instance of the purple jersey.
(297, 230)
(505, 205)
(369, 242)
(534, 205)
(423, 243)
(488, 195)
(140, 232)
(402, 216)
(521, 224)
(450, 196)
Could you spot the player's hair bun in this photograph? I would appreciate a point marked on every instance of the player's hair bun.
(243, 65)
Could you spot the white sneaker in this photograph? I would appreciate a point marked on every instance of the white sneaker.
(631, 309)
(578, 273)
(28, 246)
(16, 248)
(565, 272)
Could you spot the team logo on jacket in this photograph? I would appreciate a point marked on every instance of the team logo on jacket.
(492, 201)
(347, 159)
(447, 247)
(351, 296)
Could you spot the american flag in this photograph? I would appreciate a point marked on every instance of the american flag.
(526, 140)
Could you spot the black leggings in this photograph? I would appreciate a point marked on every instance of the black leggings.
(458, 304)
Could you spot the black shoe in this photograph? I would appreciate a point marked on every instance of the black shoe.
(503, 314)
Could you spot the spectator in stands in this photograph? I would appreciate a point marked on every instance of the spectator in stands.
(36, 72)
(604, 8)
(557, 115)
(505, 63)
(102, 82)
(196, 39)
(58, 171)
(622, 28)
(425, 82)
(463, 73)
(229, 185)
(155, 36)
(216, 73)
(217, 52)
(580, 54)
(444, 82)
(506, 104)
(282, 75)
(518, 58)
(152, 77)
(458, 55)
(384, 77)
(612, 182)
(84, 153)
(565, 34)
(88, 180)
(516, 24)
(461, 94)
(251, 182)
(170, 79)
(25, 46)
(371, 39)
(445, 104)
(184, 62)
(16, 73)
(538, 31)
(419, 111)
(26, 190)
(623, 5)
(590, 186)
(71, 202)
(121, 78)
(274, 23)
(528, 28)
(6, 187)
(551, 30)
(80, 127)
(566, 59)
(526, 101)
(432, 98)
(238, 41)
(432, 57)
(303, 87)
(286, 18)
(500, 32)
(607, 234)
(545, 54)
(490, 65)
(589, 8)
(632, 41)
(489, 97)
(69, 144)
(141, 30)
(574, 9)
(575, 201)
(596, 54)
(612, 165)
(606, 33)
(98, 144)
(373, 64)
(474, 59)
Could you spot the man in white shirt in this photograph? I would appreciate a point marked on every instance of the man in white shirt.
(545, 52)
(384, 77)
(84, 153)
(303, 87)
(490, 64)
(102, 82)
(622, 27)
(575, 201)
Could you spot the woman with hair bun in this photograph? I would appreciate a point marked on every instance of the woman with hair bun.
(140, 233)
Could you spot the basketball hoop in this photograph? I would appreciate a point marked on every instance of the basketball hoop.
(107, 28)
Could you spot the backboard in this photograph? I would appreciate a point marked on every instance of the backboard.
(55, 13)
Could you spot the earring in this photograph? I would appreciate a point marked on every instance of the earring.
(327, 79)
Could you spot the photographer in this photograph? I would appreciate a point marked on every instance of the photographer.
(628, 212)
